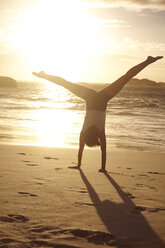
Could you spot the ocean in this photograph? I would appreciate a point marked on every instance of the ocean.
(43, 114)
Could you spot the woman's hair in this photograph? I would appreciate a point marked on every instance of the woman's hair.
(91, 136)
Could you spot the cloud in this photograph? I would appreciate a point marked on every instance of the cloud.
(6, 39)
(146, 46)
(131, 47)
(128, 4)
(112, 23)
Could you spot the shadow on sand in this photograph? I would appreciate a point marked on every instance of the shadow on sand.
(129, 226)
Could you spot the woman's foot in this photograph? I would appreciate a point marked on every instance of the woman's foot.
(151, 59)
(103, 171)
(74, 167)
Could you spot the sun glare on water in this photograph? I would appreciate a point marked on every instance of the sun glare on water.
(54, 127)
(57, 36)
(52, 123)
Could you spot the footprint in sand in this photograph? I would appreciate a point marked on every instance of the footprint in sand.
(21, 153)
(142, 175)
(39, 183)
(155, 173)
(26, 161)
(129, 195)
(45, 236)
(14, 218)
(51, 158)
(6, 241)
(41, 229)
(44, 231)
(96, 237)
(155, 210)
(152, 188)
(153, 179)
(86, 203)
(6, 219)
(32, 164)
(41, 243)
(26, 193)
(139, 185)
(57, 169)
(83, 191)
(139, 209)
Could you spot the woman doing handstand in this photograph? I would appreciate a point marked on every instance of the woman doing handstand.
(93, 130)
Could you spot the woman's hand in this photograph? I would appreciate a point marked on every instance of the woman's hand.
(41, 74)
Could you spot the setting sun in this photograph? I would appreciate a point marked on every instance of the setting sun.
(55, 38)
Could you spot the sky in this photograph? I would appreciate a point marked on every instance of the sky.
(81, 40)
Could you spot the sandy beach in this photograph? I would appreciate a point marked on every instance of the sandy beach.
(46, 204)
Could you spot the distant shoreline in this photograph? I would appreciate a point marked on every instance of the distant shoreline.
(133, 82)
(7, 82)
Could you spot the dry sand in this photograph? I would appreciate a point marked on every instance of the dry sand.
(43, 203)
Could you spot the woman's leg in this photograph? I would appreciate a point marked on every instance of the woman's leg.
(116, 86)
(76, 89)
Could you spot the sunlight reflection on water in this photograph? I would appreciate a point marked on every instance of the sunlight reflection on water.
(53, 127)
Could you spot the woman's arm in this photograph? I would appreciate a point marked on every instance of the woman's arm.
(102, 138)
(80, 152)
(116, 86)
(81, 149)
(76, 89)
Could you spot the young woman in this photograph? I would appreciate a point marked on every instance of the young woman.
(93, 130)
